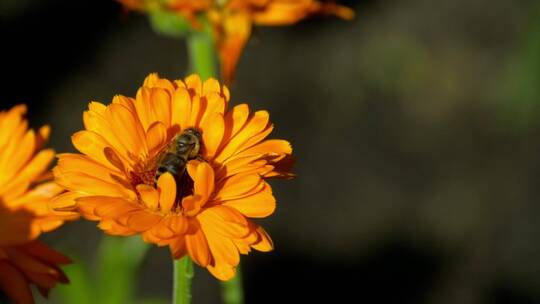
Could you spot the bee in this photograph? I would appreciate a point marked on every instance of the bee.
(183, 147)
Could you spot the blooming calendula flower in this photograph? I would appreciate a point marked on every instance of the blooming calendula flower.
(24, 213)
(232, 20)
(179, 167)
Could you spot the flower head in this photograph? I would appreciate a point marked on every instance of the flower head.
(179, 167)
(232, 20)
(24, 213)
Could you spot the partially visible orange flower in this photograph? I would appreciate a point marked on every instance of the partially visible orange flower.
(204, 212)
(24, 213)
(232, 20)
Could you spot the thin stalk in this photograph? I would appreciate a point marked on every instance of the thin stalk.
(202, 54)
(202, 58)
(183, 274)
(232, 291)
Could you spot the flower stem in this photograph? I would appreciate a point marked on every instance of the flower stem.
(183, 273)
(232, 290)
(202, 53)
(202, 56)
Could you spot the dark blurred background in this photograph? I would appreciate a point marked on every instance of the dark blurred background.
(416, 128)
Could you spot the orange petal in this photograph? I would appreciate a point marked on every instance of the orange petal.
(42, 280)
(197, 110)
(215, 103)
(16, 155)
(14, 284)
(156, 137)
(45, 253)
(264, 242)
(237, 28)
(225, 221)
(202, 175)
(259, 205)
(30, 172)
(255, 139)
(18, 224)
(28, 263)
(143, 105)
(213, 131)
(162, 232)
(101, 125)
(167, 191)
(123, 100)
(181, 108)
(222, 271)
(97, 107)
(237, 185)
(191, 204)
(127, 128)
(69, 162)
(177, 223)
(245, 165)
(222, 248)
(84, 183)
(111, 227)
(270, 146)
(142, 220)
(149, 196)
(340, 11)
(211, 85)
(178, 248)
(197, 247)
(93, 145)
(151, 236)
(235, 119)
(42, 136)
(282, 13)
(256, 124)
(193, 82)
(105, 206)
(161, 102)
(151, 80)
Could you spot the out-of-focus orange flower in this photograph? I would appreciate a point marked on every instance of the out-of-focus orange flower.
(232, 20)
(24, 212)
(202, 212)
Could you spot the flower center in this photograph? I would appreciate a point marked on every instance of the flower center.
(172, 159)
(184, 184)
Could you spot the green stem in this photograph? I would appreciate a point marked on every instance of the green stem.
(183, 274)
(202, 53)
(232, 290)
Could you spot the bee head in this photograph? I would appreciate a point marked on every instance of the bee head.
(189, 141)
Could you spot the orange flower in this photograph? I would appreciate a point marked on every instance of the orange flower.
(232, 20)
(203, 212)
(24, 212)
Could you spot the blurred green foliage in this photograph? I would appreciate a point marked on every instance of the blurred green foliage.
(520, 96)
(169, 24)
(116, 273)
